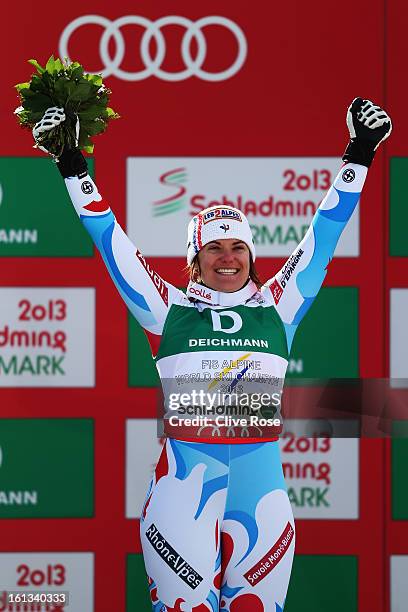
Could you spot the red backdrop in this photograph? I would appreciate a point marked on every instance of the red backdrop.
(305, 63)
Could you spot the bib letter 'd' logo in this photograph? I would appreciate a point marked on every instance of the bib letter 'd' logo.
(228, 314)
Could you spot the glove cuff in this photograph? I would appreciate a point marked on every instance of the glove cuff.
(72, 163)
(359, 151)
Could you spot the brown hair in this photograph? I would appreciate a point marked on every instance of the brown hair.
(193, 271)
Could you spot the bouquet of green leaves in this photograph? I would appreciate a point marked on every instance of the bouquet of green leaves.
(83, 96)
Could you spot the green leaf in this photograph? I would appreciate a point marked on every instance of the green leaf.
(77, 73)
(61, 89)
(96, 79)
(80, 91)
(34, 62)
(98, 127)
(50, 65)
(90, 113)
(85, 142)
(38, 85)
(37, 103)
(21, 86)
(58, 65)
(103, 100)
(24, 116)
(92, 128)
(27, 93)
(47, 83)
(70, 87)
(86, 126)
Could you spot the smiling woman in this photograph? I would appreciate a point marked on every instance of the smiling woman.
(224, 264)
(217, 528)
(220, 249)
(230, 276)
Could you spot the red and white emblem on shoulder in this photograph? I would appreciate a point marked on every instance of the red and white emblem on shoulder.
(276, 291)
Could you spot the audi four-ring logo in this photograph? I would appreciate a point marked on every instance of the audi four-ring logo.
(152, 29)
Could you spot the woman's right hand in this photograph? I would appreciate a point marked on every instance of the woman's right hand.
(52, 118)
(71, 162)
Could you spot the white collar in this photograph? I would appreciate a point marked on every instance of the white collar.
(197, 291)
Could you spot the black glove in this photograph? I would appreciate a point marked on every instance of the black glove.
(368, 126)
(72, 163)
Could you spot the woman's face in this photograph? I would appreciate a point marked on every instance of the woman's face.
(224, 264)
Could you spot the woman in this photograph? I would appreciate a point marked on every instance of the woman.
(217, 528)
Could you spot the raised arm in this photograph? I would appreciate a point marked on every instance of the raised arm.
(146, 294)
(298, 282)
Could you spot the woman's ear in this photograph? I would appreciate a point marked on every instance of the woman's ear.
(196, 271)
